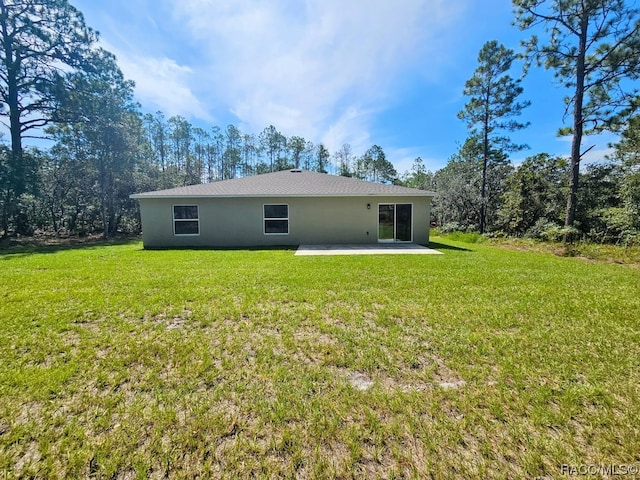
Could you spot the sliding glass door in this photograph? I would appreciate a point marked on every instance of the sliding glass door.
(386, 222)
(395, 222)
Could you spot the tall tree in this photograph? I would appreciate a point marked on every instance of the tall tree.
(493, 104)
(457, 204)
(593, 45)
(307, 155)
(273, 143)
(322, 158)
(41, 42)
(419, 176)
(377, 167)
(181, 135)
(296, 148)
(233, 152)
(249, 154)
(627, 152)
(201, 141)
(107, 135)
(157, 136)
(5, 188)
(600, 210)
(459, 185)
(215, 158)
(534, 195)
(65, 192)
(343, 158)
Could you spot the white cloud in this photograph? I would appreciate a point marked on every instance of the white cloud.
(595, 148)
(318, 68)
(404, 157)
(350, 127)
(597, 155)
(161, 84)
(593, 155)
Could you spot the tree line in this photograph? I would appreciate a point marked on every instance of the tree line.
(187, 155)
(56, 81)
(593, 49)
(529, 200)
(82, 184)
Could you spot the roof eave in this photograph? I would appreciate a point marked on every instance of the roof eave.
(140, 196)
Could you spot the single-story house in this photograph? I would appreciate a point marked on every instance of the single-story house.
(290, 207)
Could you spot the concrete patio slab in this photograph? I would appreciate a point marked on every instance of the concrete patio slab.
(375, 249)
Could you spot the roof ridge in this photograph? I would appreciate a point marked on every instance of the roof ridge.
(290, 182)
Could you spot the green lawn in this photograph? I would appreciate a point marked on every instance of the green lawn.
(481, 363)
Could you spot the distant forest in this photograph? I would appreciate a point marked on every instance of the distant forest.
(56, 81)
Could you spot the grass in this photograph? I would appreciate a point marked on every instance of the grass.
(484, 362)
(466, 237)
(624, 254)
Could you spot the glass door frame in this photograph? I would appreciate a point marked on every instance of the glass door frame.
(395, 223)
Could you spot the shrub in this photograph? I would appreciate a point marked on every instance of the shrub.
(466, 237)
(451, 227)
(543, 229)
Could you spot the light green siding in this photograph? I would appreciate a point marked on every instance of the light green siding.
(238, 222)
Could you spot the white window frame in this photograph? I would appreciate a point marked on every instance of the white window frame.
(173, 214)
(265, 219)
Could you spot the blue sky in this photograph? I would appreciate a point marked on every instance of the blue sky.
(335, 71)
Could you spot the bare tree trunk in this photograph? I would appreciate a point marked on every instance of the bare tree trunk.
(5, 213)
(103, 201)
(16, 184)
(54, 222)
(483, 189)
(577, 131)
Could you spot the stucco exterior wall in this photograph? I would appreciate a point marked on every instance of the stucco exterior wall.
(238, 222)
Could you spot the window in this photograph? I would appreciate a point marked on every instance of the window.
(185, 220)
(276, 219)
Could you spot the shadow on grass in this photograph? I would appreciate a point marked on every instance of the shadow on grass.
(20, 248)
(225, 249)
(11, 248)
(444, 246)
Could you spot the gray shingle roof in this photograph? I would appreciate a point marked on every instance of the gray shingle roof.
(297, 183)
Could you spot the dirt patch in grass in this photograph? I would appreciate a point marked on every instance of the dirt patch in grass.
(30, 456)
(176, 323)
(359, 381)
(443, 377)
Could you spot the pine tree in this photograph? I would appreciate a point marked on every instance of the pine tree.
(490, 111)
(592, 45)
